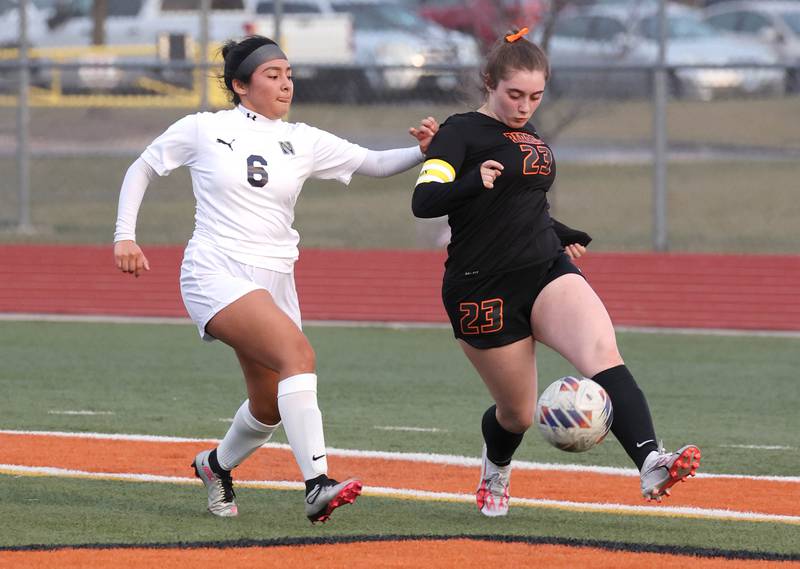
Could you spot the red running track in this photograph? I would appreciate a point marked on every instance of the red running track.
(745, 292)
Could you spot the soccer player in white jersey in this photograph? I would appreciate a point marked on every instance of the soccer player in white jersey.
(237, 282)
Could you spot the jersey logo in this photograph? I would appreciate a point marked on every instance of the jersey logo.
(523, 137)
(228, 144)
(251, 116)
(436, 170)
(286, 147)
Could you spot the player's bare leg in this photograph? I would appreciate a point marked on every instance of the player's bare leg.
(265, 337)
(509, 373)
(253, 425)
(570, 318)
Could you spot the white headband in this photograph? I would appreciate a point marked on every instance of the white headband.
(258, 56)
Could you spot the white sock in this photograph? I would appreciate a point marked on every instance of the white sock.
(302, 423)
(245, 435)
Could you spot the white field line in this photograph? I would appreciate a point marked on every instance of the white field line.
(426, 496)
(760, 447)
(412, 429)
(447, 459)
(35, 317)
(78, 412)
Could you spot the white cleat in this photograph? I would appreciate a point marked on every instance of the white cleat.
(662, 470)
(325, 497)
(492, 494)
(220, 487)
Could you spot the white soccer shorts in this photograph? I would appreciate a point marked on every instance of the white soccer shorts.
(210, 281)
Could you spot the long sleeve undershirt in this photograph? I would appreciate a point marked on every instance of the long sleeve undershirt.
(134, 185)
(383, 163)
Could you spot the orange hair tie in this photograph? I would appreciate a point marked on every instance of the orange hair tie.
(511, 38)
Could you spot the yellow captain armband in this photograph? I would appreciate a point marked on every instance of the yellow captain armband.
(436, 170)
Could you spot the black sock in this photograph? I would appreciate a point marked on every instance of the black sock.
(500, 444)
(633, 425)
(214, 463)
(310, 484)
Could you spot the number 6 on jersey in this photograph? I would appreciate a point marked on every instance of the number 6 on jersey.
(256, 175)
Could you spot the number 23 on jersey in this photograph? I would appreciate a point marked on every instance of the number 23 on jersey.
(483, 318)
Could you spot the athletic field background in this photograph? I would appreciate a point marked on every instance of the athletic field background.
(732, 179)
(99, 421)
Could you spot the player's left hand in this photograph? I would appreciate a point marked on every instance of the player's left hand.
(424, 133)
(575, 250)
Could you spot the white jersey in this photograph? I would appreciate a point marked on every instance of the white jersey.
(247, 173)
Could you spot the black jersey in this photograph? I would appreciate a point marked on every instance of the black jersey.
(492, 230)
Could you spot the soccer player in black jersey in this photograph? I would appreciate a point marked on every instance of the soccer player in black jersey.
(509, 280)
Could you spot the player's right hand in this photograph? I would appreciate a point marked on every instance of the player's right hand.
(129, 258)
(490, 170)
(424, 133)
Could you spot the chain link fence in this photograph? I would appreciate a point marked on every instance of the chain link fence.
(732, 150)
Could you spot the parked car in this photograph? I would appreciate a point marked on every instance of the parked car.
(607, 40)
(37, 13)
(144, 32)
(395, 50)
(775, 24)
(486, 20)
(349, 48)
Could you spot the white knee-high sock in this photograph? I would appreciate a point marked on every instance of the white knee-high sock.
(245, 435)
(302, 423)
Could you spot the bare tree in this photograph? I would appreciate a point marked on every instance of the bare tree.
(561, 111)
(556, 7)
(99, 11)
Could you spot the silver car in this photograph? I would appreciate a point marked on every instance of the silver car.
(388, 34)
(606, 41)
(37, 14)
(395, 50)
(776, 24)
(9, 21)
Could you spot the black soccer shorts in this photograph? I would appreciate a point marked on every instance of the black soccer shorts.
(495, 311)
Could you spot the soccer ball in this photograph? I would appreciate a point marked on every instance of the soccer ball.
(574, 414)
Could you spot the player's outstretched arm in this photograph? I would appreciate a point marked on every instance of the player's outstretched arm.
(384, 163)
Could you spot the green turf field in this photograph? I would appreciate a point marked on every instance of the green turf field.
(161, 380)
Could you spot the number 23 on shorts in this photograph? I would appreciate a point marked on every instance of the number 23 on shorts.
(483, 318)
